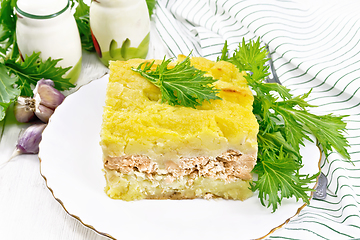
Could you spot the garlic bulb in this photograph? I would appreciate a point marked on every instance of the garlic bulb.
(24, 109)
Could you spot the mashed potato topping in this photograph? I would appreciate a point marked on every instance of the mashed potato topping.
(136, 122)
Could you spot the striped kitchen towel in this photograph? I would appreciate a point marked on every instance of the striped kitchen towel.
(315, 44)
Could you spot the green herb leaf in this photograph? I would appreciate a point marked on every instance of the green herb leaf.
(82, 19)
(278, 173)
(8, 47)
(8, 93)
(181, 85)
(284, 125)
(32, 69)
(328, 129)
(224, 53)
(151, 4)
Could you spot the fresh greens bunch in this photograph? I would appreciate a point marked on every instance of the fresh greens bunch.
(284, 124)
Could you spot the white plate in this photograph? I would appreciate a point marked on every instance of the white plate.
(71, 163)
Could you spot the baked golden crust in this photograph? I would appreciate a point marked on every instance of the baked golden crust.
(168, 148)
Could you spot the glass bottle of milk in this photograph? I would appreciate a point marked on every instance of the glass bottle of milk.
(120, 29)
(48, 26)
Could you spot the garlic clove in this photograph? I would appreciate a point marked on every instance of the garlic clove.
(47, 95)
(43, 81)
(24, 109)
(29, 140)
(43, 113)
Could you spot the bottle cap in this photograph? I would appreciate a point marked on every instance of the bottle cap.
(41, 9)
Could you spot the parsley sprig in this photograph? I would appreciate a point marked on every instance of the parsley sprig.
(284, 124)
(180, 85)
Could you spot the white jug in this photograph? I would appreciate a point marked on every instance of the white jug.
(48, 26)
